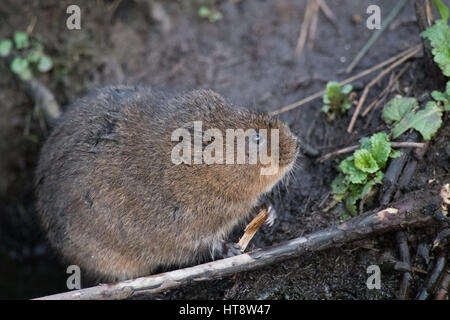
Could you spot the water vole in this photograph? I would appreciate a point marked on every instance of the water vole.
(113, 201)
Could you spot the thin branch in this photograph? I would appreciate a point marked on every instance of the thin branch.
(402, 214)
(387, 89)
(353, 148)
(432, 281)
(442, 293)
(402, 244)
(375, 81)
(328, 12)
(305, 27)
(44, 99)
(346, 81)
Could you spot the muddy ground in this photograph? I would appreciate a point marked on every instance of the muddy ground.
(249, 57)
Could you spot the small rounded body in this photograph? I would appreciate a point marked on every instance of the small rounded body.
(111, 198)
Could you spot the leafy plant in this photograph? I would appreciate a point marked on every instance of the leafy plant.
(403, 115)
(336, 99)
(443, 98)
(26, 55)
(439, 37)
(362, 171)
(211, 14)
(443, 10)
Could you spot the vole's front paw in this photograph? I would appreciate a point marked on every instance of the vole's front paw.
(272, 216)
(230, 249)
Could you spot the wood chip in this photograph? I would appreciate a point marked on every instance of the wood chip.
(252, 227)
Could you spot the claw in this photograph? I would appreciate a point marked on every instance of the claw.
(272, 216)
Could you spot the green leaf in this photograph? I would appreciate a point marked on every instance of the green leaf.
(18, 65)
(34, 56)
(354, 175)
(439, 37)
(426, 121)
(338, 186)
(397, 108)
(369, 185)
(5, 47)
(402, 112)
(355, 195)
(21, 40)
(443, 98)
(443, 9)
(204, 12)
(365, 143)
(215, 16)
(26, 74)
(365, 162)
(45, 63)
(439, 96)
(380, 148)
(395, 154)
(336, 99)
(347, 89)
(333, 89)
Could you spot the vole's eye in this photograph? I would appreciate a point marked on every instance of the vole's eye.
(257, 139)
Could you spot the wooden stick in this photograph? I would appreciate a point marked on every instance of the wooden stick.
(353, 148)
(328, 12)
(386, 90)
(44, 99)
(313, 24)
(344, 82)
(374, 81)
(405, 213)
(251, 229)
(304, 29)
(402, 243)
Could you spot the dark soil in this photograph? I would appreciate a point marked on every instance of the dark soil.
(249, 57)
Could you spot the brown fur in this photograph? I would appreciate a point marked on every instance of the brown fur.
(112, 201)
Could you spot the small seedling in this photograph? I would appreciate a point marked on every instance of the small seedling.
(336, 99)
(362, 171)
(26, 55)
(211, 14)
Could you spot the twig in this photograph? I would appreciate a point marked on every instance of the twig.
(376, 35)
(353, 148)
(442, 293)
(344, 82)
(313, 24)
(375, 81)
(304, 29)
(327, 11)
(44, 99)
(407, 213)
(434, 277)
(251, 229)
(387, 89)
(402, 244)
(394, 171)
